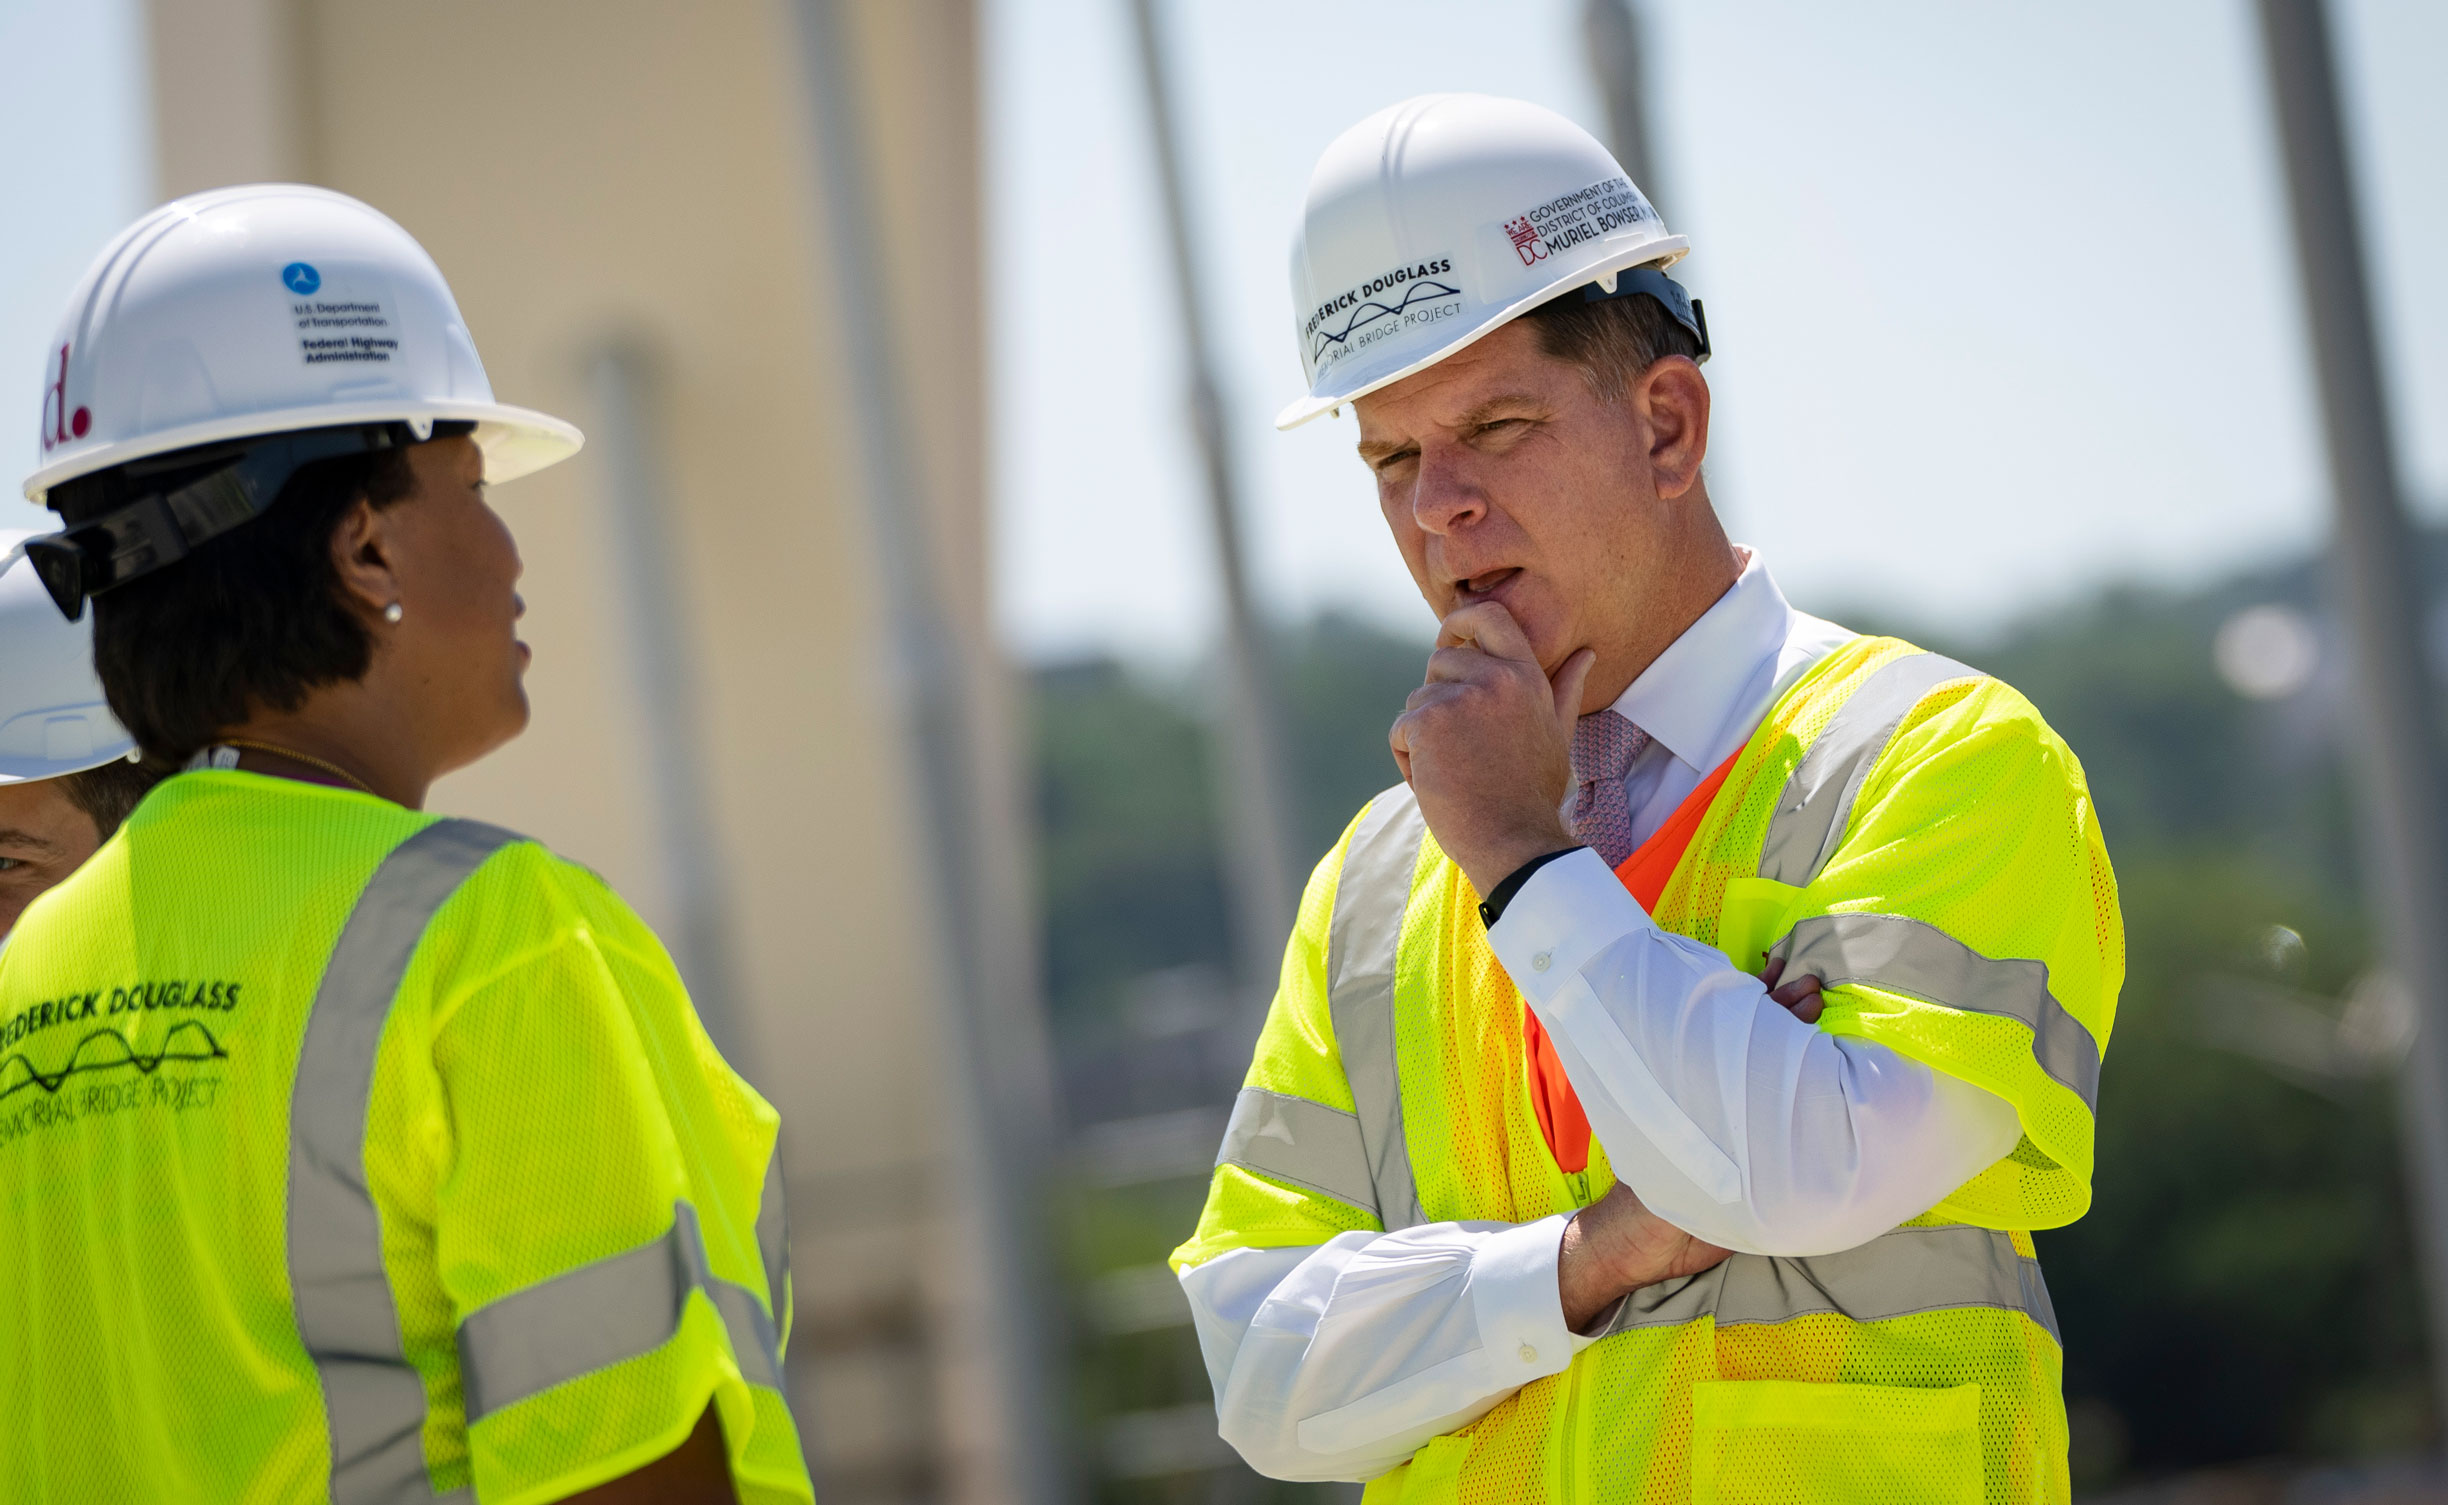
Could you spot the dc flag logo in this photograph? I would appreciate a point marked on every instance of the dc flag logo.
(300, 278)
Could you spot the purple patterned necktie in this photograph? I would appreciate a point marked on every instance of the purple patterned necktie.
(1603, 747)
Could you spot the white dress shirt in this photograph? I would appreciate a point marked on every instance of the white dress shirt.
(1729, 1117)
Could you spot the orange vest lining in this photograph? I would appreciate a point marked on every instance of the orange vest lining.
(1560, 1117)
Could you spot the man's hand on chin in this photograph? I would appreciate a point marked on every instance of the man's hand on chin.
(1486, 743)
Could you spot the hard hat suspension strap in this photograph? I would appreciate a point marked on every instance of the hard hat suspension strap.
(137, 518)
(1671, 295)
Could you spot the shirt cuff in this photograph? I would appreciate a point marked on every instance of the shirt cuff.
(1569, 911)
(1520, 1306)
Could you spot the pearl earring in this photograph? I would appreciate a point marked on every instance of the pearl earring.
(393, 612)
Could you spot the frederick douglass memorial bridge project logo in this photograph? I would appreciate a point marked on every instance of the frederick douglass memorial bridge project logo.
(1358, 317)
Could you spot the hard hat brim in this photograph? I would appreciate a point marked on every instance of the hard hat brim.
(520, 441)
(34, 771)
(1328, 396)
(516, 441)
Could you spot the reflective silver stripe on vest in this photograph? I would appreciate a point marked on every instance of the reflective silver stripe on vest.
(1371, 895)
(1902, 1272)
(754, 1343)
(1899, 1273)
(1913, 956)
(773, 1239)
(1303, 1142)
(604, 1313)
(1817, 802)
(373, 1400)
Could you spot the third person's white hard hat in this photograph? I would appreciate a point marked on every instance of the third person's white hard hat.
(1434, 221)
(53, 719)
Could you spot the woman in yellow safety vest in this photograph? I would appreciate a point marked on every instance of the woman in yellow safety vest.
(346, 1151)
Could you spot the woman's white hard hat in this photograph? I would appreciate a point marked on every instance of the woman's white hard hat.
(260, 310)
(1435, 221)
(53, 719)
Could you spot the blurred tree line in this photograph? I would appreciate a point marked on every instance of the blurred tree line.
(2243, 1286)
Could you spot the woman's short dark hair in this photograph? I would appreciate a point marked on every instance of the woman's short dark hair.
(252, 619)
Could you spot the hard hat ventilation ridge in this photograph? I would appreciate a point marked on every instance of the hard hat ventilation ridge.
(253, 311)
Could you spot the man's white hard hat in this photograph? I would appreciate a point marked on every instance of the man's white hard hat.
(52, 716)
(262, 309)
(1434, 221)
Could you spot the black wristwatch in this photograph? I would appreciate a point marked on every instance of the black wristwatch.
(1492, 908)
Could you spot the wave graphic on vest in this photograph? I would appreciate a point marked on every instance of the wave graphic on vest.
(199, 1045)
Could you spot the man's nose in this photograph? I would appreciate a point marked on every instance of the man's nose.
(1446, 496)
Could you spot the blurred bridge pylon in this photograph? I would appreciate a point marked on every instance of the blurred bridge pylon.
(2402, 783)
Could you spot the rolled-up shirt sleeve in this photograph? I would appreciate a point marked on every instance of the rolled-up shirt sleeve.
(1339, 1360)
(1730, 1118)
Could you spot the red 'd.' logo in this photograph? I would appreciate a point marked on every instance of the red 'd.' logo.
(58, 424)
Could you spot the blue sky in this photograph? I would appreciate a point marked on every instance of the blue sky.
(2001, 294)
(75, 165)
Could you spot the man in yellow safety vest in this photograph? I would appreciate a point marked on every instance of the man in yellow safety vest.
(1536, 1190)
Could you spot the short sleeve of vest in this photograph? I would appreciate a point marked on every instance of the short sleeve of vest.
(593, 1275)
(1968, 918)
(1291, 1171)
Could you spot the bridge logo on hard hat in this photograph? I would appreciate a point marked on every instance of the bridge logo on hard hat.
(1368, 315)
(300, 278)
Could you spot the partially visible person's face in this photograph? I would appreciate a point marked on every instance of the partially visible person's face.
(1505, 478)
(43, 838)
(457, 570)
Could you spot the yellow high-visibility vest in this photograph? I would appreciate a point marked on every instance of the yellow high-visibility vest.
(1906, 829)
(352, 1153)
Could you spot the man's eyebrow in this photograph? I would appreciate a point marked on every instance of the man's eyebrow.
(1510, 405)
(1507, 405)
(10, 836)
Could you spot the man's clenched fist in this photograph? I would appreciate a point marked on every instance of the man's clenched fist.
(1486, 743)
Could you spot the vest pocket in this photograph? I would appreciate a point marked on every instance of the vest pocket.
(1752, 918)
(1432, 1477)
(1772, 1441)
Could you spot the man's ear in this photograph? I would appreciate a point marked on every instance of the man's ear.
(363, 545)
(1673, 398)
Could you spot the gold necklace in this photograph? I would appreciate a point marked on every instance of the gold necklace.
(294, 756)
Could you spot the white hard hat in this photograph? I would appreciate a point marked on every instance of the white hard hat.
(52, 716)
(1436, 220)
(242, 314)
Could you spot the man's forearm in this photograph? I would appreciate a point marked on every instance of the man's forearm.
(1616, 1246)
(1337, 1361)
(1731, 1118)
(1585, 1281)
